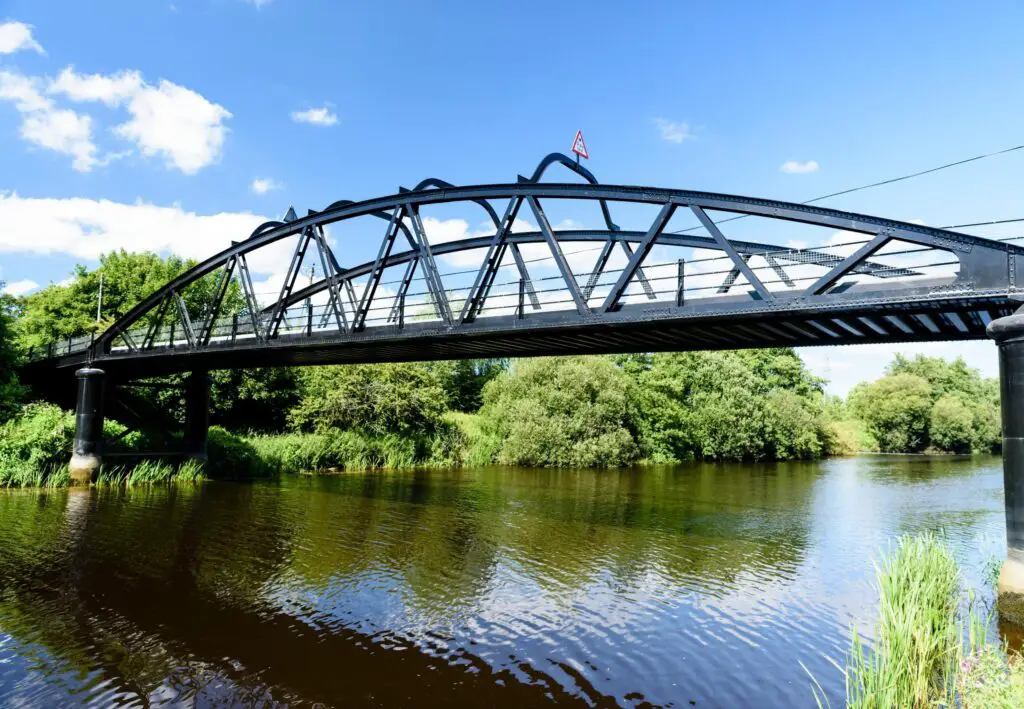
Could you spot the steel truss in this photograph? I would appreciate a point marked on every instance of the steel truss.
(753, 315)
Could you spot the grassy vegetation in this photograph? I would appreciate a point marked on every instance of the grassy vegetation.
(930, 641)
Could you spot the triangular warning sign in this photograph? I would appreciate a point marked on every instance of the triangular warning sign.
(579, 147)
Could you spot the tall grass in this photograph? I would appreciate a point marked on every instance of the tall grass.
(930, 641)
(151, 472)
(916, 641)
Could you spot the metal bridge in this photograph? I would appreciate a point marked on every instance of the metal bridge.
(538, 288)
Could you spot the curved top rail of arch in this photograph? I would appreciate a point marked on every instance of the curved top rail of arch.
(627, 289)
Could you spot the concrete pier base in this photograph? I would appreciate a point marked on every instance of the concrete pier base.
(1008, 332)
(87, 451)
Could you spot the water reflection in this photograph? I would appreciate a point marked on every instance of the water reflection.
(705, 583)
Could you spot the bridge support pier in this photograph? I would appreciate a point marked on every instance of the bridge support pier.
(87, 450)
(197, 414)
(1008, 332)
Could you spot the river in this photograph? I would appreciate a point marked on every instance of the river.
(695, 585)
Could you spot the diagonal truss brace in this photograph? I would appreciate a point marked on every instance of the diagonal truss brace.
(250, 295)
(328, 263)
(492, 262)
(359, 318)
(716, 233)
(779, 271)
(154, 327)
(850, 262)
(730, 279)
(186, 321)
(220, 289)
(403, 289)
(431, 275)
(277, 316)
(611, 302)
(531, 292)
(560, 260)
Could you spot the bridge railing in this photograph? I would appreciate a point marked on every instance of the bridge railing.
(705, 275)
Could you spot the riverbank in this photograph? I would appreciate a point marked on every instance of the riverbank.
(932, 645)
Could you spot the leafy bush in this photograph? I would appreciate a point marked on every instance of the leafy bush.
(896, 410)
(404, 399)
(569, 411)
(729, 405)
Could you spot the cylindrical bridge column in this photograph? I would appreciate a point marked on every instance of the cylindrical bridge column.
(197, 414)
(87, 451)
(1008, 332)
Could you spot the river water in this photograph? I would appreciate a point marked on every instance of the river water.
(695, 585)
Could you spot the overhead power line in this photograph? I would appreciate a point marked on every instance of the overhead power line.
(884, 182)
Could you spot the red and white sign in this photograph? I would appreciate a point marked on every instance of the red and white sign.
(579, 147)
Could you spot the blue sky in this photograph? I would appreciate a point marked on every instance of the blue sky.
(148, 124)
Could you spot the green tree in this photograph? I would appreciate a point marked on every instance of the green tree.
(61, 311)
(253, 399)
(951, 427)
(897, 411)
(11, 391)
(407, 399)
(565, 411)
(464, 380)
(728, 405)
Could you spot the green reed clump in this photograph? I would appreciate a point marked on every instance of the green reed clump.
(349, 450)
(151, 472)
(916, 638)
(931, 640)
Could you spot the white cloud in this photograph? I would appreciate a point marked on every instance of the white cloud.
(43, 124)
(111, 90)
(20, 287)
(167, 119)
(86, 228)
(262, 185)
(674, 131)
(16, 36)
(259, 4)
(794, 167)
(315, 116)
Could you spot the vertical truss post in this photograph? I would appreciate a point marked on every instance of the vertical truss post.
(611, 302)
(359, 318)
(681, 287)
(234, 327)
(560, 260)
(171, 341)
(401, 312)
(250, 295)
(430, 273)
(492, 262)
(521, 310)
(727, 247)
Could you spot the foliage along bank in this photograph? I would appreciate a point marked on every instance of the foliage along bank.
(565, 411)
